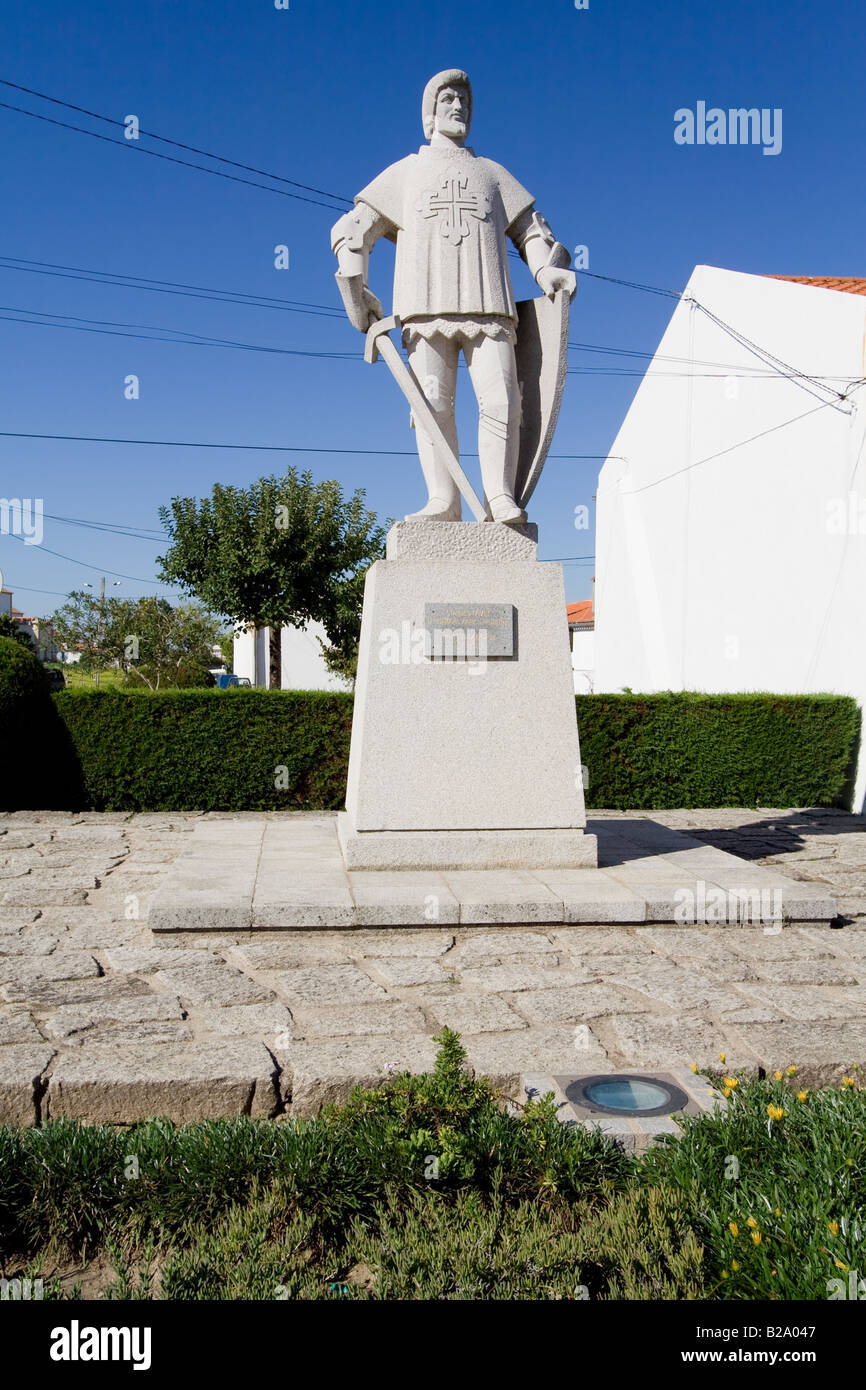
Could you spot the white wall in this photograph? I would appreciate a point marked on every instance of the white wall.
(244, 658)
(728, 576)
(302, 665)
(583, 662)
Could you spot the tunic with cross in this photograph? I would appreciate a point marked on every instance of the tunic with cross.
(449, 212)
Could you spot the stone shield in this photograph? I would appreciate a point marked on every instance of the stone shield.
(541, 351)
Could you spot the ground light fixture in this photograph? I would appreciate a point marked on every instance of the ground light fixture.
(627, 1094)
(632, 1108)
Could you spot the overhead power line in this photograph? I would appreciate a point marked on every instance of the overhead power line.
(139, 282)
(135, 533)
(154, 333)
(115, 574)
(26, 589)
(764, 355)
(179, 144)
(171, 158)
(632, 284)
(762, 434)
(267, 448)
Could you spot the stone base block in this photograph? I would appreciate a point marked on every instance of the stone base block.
(465, 849)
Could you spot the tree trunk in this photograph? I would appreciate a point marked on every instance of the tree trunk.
(275, 677)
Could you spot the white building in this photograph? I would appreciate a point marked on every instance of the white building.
(302, 664)
(581, 634)
(731, 515)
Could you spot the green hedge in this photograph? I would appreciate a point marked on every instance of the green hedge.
(223, 750)
(209, 750)
(687, 749)
(38, 767)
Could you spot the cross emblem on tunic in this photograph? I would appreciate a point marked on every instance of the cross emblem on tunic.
(452, 203)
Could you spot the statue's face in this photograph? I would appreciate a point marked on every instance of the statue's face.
(452, 113)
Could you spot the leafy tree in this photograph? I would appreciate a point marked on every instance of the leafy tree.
(341, 649)
(226, 644)
(80, 625)
(162, 645)
(146, 637)
(9, 628)
(284, 550)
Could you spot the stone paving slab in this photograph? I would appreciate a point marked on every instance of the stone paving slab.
(260, 875)
(102, 1017)
(111, 1084)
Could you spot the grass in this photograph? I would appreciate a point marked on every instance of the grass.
(426, 1188)
(111, 678)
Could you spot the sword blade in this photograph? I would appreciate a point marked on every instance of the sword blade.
(410, 386)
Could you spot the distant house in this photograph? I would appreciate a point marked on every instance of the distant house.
(302, 664)
(731, 511)
(43, 635)
(581, 633)
(40, 631)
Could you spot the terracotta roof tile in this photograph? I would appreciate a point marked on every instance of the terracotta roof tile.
(847, 283)
(580, 612)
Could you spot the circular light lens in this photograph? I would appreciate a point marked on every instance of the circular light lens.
(626, 1094)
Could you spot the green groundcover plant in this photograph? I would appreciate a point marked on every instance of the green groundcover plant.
(429, 1187)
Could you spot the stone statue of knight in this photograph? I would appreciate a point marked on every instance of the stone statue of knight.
(452, 214)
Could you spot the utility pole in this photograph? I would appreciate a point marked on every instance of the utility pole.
(101, 628)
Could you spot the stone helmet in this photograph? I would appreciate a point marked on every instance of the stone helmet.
(449, 77)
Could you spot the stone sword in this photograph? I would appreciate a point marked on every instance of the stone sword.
(378, 342)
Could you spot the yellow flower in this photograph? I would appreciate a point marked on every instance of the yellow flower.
(730, 1081)
(735, 1264)
(721, 1056)
(802, 1095)
(724, 1274)
(733, 1228)
(694, 1066)
(751, 1223)
(726, 1092)
(778, 1075)
(834, 1227)
(778, 1211)
(756, 1237)
(775, 1112)
(792, 1071)
(840, 1264)
(847, 1081)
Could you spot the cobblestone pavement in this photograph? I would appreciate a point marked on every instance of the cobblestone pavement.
(101, 1019)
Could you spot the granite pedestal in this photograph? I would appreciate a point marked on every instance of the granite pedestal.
(465, 750)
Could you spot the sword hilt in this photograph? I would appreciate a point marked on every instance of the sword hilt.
(375, 331)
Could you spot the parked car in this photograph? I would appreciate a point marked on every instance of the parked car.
(227, 679)
(56, 678)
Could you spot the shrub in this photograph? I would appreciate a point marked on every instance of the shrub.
(262, 750)
(36, 763)
(763, 1200)
(22, 679)
(688, 749)
(209, 750)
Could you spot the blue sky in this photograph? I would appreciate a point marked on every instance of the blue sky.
(578, 104)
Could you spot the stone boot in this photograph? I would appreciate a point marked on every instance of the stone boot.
(437, 510)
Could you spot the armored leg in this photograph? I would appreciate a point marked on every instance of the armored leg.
(434, 362)
(493, 371)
